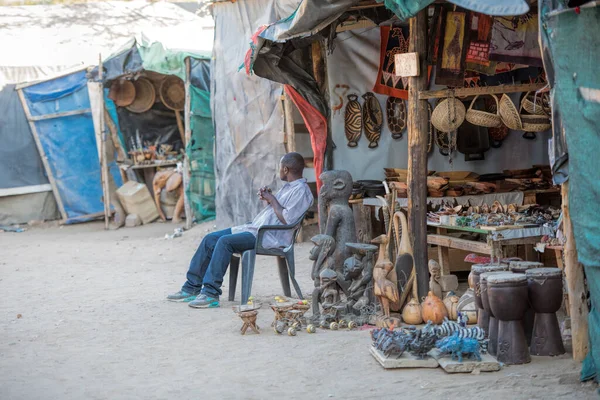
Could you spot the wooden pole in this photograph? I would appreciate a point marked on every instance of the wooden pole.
(575, 284)
(417, 153)
(103, 158)
(290, 131)
(188, 135)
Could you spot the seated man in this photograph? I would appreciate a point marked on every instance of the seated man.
(208, 266)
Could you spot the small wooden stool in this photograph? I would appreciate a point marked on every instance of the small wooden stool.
(249, 318)
(280, 311)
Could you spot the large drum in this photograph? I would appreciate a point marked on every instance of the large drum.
(493, 325)
(483, 318)
(521, 267)
(508, 297)
(545, 294)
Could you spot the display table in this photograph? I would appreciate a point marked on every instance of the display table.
(498, 244)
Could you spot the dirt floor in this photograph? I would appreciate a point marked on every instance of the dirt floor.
(83, 315)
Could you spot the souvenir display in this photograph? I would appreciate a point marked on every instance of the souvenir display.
(340, 91)
(394, 40)
(396, 116)
(515, 40)
(372, 119)
(353, 122)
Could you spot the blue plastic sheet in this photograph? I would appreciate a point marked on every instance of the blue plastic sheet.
(69, 143)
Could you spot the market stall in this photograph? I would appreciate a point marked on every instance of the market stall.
(467, 81)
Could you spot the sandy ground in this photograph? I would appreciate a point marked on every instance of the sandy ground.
(94, 324)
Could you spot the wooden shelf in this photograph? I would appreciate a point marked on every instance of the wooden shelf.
(464, 92)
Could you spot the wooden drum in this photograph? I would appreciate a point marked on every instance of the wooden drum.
(483, 318)
(492, 332)
(545, 294)
(521, 267)
(508, 296)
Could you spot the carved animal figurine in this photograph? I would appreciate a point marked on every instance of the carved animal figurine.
(360, 275)
(391, 343)
(435, 272)
(170, 180)
(423, 341)
(336, 218)
(385, 290)
(372, 119)
(459, 347)
(353, 122)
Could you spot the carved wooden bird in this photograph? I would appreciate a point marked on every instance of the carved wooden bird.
(385, 290)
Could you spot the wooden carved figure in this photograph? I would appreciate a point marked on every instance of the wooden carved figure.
(385, 290)
(169, 180)
(336, 218)
(321, 254)
(360, 274)
(435, 272)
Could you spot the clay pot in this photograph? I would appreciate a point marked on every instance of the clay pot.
(451, 303)
(411, 314)
(433, 309)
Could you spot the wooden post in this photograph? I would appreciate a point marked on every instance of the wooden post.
(417, 153)
(103, 162)
(575, 284)
(290, 131)
(188, 135)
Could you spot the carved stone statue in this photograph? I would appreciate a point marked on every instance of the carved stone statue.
(435, 271)
(321, 254)
(386, 291)
(358, 269)
(335, 216)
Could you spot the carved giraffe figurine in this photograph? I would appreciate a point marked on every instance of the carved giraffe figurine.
(385, 290)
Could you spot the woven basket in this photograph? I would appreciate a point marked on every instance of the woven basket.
(144, 96)
(444, 122)
(535, 123)
(122, 92)
(534, 108)
(172, 93)
(509, 114)
(483, 118)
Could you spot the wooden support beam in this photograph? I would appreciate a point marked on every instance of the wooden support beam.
(61, 114)
(290, 128)
(465, 92)
(16, 191)
(418, 128)
(38, 143)
(187, 139)
(575, 284)
(319, 60)
(460, 244)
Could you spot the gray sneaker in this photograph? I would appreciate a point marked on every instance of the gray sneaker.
(181, 296)
(204, 301)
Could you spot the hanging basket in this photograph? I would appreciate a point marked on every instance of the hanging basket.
(172, 93)
(535, 123)
(448, 115)
(509, 113)
(122, 92)
(483, 118)
(144, 96)
(533, 105)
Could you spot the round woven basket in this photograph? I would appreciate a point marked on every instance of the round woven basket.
(122, 92)
(533, 105)
(509, 113)
(535, 123)
(172, 93)
(483, 118)
(144, 96)
(442, 119)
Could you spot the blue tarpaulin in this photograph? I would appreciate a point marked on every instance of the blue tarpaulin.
(69, 142)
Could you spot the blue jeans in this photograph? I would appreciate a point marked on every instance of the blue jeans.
(209, 264)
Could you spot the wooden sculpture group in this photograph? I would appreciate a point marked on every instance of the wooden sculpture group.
(347, 278)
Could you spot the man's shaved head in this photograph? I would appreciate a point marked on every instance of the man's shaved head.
(294, 162)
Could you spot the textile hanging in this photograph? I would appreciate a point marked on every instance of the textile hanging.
(481, 35)
(454, 44)
(317, 127)
(515, 40)
(394, 40)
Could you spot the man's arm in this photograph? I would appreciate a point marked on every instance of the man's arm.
(278, 208)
